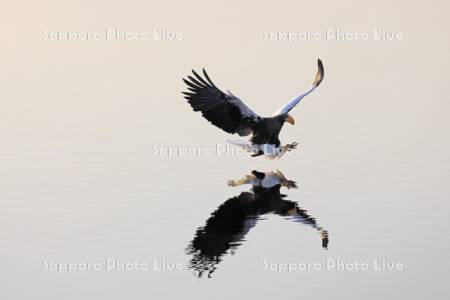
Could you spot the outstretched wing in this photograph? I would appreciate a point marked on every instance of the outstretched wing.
(223, 110)
(224, 231)
(291, 104)
(292, 211)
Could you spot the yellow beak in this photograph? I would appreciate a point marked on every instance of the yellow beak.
(290, 120)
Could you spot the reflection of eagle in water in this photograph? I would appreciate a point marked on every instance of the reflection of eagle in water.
(226, 228)
(229, 113)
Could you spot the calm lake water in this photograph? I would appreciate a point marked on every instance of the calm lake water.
(133, 216)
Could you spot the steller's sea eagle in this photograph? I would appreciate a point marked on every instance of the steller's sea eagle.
(229, 113)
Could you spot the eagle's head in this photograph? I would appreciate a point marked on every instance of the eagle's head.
(286, 118)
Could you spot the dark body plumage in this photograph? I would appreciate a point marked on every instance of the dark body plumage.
(267, 131)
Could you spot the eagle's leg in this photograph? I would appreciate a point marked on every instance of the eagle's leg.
(289, 184)
(258, 153)
(291, 146)
(247, 179)
(287, 148)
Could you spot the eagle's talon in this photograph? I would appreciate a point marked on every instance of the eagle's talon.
(291, 184)
(231, 183)
(292, 146)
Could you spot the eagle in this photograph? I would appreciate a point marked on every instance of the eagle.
(230, 223)
(231, 114)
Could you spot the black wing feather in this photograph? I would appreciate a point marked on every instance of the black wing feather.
(221, 109)
(225, 229)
